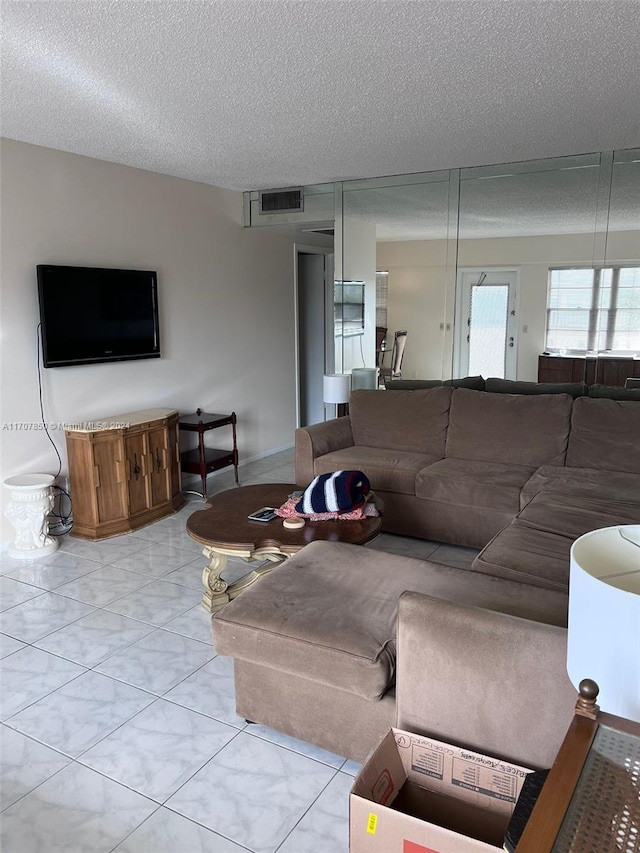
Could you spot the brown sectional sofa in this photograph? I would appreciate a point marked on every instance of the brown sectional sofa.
(322, 645)
(462, 466)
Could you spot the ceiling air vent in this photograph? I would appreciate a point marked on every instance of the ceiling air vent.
(281, 201)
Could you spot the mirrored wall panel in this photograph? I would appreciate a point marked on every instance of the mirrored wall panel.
(398, 236)
(527, 271)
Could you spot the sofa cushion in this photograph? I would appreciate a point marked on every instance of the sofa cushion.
(534, 548)
(517, 429)
(329, 613)
(605, 434)
(581, 481)
(387, 470)
(474, 382)
(522, 553)
(465, 482)
(510, 386)
(415, 421)
(554, 513)
(614, 392)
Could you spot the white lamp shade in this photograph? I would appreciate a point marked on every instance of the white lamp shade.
(604, 617)
(336, 387)
(364, 377)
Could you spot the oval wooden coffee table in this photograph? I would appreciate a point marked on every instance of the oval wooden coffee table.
(225, 531)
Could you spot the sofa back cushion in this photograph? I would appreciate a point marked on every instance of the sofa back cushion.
(405, 420)
(605, 434)
(511, 386)
(518, 429)
(614, 392)
(474, 382)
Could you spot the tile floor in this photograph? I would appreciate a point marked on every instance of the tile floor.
(118, 728)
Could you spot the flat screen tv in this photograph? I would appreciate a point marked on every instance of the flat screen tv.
(91, 315)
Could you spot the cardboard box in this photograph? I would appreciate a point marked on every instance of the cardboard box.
(419, 795)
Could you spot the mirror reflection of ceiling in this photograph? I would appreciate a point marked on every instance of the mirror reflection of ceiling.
(545, 202)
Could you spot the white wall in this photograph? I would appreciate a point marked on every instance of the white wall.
(225, 296)
(355, 258)
(421, 289)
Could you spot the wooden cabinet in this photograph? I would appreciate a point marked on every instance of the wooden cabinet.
(124, 472)
(606, 370)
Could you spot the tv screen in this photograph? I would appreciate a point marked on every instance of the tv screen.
(91, 315)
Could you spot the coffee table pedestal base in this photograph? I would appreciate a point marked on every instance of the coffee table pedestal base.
(217, 592)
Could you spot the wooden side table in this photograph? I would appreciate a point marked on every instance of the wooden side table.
(203, 460)
(590, 802)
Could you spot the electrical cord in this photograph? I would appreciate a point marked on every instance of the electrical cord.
(44, 423)
(65, 520)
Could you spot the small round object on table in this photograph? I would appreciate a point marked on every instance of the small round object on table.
(293, 523)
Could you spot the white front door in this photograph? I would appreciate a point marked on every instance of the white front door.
(486, 341)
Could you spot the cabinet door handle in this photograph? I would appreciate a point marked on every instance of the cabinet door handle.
(158, 461)
(136, 467)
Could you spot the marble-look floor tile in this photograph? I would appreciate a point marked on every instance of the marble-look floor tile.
(406, 546)
(8, 645)
(76, 716)
(30, 674)
(454, 555)
(159, 749)
(156, 603)
(157, 560)
(168, 832)
(308, 749)
(76, 811)
(158, 661)
(103, 586)
(194, 623)
(179, 539)
(54, 571)
(14, 592)
(237, 569)
(94, 638)
(252, 777)
(326, 825)
(24, 764)
(188, 575)
(210, 691)
(106, 550)
(40, 616)
(282, 474)
(351, 767)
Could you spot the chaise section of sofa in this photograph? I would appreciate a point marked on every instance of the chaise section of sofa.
(560, 503)
(314, 643)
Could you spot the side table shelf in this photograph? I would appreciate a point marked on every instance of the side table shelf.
(203, 460)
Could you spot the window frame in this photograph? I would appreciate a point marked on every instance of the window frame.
(595, 310)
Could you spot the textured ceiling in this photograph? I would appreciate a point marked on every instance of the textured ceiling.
(261, 94)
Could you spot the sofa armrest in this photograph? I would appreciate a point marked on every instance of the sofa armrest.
(489, 681)
(316, 440)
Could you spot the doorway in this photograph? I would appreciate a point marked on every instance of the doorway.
(314, 329)
(486, 323)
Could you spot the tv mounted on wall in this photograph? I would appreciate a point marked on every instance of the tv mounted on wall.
(91, 315)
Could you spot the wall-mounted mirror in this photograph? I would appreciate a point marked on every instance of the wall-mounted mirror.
(397, 234)
(527, 271)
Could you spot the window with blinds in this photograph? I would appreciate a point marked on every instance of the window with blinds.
(382, 296)
(594, 309)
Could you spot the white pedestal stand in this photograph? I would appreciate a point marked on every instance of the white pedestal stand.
(30, 501)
